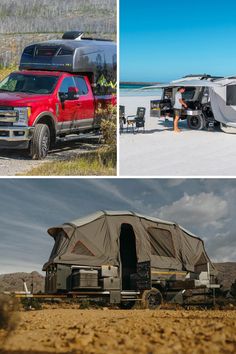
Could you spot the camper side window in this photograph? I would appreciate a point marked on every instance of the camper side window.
(231, 95)
(81, 249)
(161, 242)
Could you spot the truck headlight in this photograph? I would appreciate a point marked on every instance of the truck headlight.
(23, 115)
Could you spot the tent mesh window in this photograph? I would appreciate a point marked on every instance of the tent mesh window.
(81, 249)
(161, 242)
(231, 95)
(201, 265)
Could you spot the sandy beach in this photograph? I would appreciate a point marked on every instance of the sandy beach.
(161, 152)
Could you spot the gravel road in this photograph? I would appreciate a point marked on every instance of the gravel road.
(74, 331)
(13, 162)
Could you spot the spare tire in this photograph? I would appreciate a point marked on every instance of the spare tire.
(196, 122)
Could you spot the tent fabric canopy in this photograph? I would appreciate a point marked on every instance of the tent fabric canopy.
(94, 241)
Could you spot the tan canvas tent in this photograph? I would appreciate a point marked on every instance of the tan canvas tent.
(97, 240)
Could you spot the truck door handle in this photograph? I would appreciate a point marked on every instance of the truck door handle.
(79, 104)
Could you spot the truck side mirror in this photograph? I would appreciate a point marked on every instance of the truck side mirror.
(73, 93)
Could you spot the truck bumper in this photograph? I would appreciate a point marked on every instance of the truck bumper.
(15, 137)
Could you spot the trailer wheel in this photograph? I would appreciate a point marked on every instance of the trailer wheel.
(40, 142)
(196, 122)
(151, 299)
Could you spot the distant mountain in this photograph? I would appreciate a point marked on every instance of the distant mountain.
(227, 273)
(14, 282)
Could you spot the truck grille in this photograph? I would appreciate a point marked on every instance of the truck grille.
(7, 115)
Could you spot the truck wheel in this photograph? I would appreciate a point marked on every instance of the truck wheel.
(151, 299)
(40, 142)
(196, 122)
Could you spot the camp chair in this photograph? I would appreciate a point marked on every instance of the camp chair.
(122, 119)
(137, 120)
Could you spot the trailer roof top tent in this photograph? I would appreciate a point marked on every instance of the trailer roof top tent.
(95, 240)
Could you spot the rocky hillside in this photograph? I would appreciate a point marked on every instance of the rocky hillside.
(28, 21)
(227, 273)
(14, 281)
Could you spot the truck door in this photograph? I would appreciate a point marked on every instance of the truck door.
(85, 106)
(68, 105)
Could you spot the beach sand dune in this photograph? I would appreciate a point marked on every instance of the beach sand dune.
(161, 152)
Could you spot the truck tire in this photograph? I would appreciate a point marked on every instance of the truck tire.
(196, 122)
(40, 142)
(151, 299)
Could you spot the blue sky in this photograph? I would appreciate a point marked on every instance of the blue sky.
(164, 40)
(29, 206)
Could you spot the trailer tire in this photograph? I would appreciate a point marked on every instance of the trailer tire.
(40, 142)
(151, 299)
(196, 122)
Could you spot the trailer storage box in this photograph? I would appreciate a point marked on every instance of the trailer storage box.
(83, 278)
(111, 283)
(109, 271)
(155, 108)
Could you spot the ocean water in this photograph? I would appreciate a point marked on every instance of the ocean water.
(137, 90)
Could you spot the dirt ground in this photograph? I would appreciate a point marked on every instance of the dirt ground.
(13, 162)
(121, 331)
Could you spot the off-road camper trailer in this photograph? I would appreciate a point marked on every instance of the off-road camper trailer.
(128, 257)
(210, 99)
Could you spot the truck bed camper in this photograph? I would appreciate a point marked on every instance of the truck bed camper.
(95, 58)
(59, 90)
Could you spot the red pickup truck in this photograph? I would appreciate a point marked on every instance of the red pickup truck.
(37, 105)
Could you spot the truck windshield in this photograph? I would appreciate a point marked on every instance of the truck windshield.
(29, 83)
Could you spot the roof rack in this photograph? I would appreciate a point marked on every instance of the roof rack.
(194, 75)
(204, 76)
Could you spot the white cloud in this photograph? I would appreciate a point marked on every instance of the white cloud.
(204, 209)
(174, 182)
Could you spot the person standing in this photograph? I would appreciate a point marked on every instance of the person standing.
(178, 105)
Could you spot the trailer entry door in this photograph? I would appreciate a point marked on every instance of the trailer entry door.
(128, 255)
